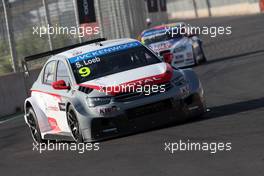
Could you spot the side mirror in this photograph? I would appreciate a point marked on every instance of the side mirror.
(167, 57)
(60, 85)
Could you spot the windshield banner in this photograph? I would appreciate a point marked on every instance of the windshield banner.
(104, 51)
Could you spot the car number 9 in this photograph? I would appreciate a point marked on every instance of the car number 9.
(85, 71)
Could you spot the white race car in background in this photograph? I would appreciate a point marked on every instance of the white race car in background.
(177, 49)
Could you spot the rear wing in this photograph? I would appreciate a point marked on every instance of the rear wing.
(56, 51)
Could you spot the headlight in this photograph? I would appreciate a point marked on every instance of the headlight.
(179, 49)
(179, 81)
(92, 102)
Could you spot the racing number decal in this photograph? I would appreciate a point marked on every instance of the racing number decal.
(85, 71)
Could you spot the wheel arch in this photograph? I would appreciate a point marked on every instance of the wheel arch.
(40, 115)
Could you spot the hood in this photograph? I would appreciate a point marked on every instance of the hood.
(167, 45)
(148, 75)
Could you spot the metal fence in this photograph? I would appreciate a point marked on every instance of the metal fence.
(116, 19)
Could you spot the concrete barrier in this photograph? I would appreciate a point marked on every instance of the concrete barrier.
(14, 89)
(236, 9)
(242, 8)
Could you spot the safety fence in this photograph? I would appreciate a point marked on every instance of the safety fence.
(20, 18)
(115, 18)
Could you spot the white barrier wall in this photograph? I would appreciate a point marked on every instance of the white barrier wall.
(13, 92)
(186, 8)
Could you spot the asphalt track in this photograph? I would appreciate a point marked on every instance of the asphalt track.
(233, 80)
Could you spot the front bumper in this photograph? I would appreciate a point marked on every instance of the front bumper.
(145, 117)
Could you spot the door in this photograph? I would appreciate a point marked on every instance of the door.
(51, 101)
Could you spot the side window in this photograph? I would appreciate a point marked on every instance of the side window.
(49, 73)
(62, 73)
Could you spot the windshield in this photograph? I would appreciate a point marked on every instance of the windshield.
(161, 38)
(99, 66)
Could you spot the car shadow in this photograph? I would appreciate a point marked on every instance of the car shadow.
(233, 57)
(234, 108)
(215, 112)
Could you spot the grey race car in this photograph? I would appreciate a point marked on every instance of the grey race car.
(106, 88)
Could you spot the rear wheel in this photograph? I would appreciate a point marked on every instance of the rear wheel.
(33, 125)
(74, 125)
(203, 55)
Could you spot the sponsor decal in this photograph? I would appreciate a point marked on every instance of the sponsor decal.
(154, 32)
(62, 106)
(125, 87)
(161, 46)
(56, 96)
(53, 124)
(52, 108)
(105, 51)
(86, 11)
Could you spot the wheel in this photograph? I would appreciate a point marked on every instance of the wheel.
(74, 125)
(33, 125)
(202, 52)
(196, 101)
(194, 57)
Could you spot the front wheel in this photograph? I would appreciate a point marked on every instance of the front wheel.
(203, 55)
(193, 107)
(74, 125)
(33, 125)
(194, 57)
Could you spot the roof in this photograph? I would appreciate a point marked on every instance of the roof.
(159, 29)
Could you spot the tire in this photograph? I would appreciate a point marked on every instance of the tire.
(194, 114)
(204, 60)
(194, 58)
(74, 125)
(33, 126)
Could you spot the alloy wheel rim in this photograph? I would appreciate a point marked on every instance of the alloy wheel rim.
(33, 127)
(73, 124)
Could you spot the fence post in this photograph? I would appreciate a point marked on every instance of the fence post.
(10, 36)
(99, 17)
(195, 8)
(76, 13)
(47, 18)
(208, 3)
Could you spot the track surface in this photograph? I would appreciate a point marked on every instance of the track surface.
(233, 80)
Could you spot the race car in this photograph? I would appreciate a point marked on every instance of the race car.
(175, 44)
(104, 88)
